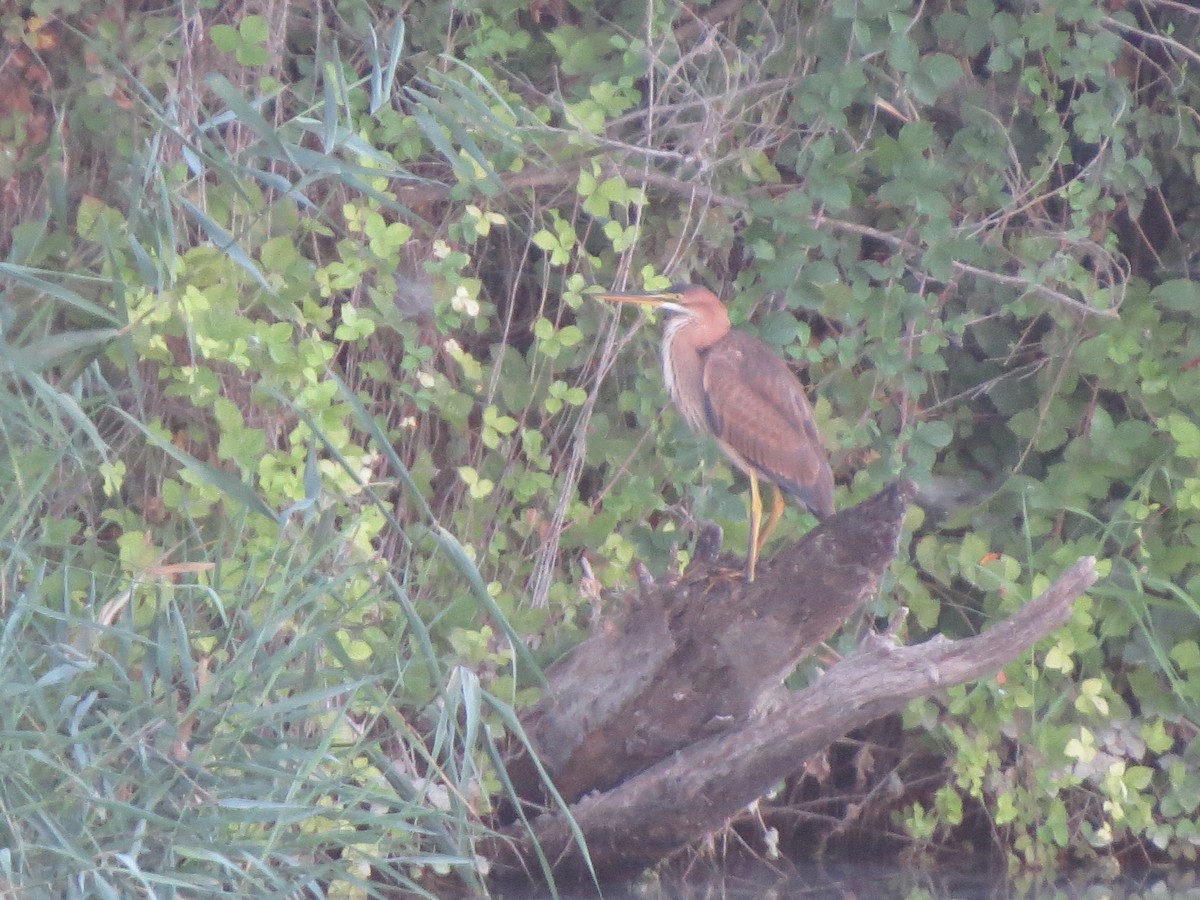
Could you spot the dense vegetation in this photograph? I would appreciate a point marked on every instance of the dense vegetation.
(309, 426)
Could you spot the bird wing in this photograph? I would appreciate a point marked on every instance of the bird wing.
(760, 414)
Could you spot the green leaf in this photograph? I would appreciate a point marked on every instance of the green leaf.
(232, 487)
(902, 52)
(225, 242)
(936, 434)
(225, 38)
(466, 566)
(1059, 659)
(255, 29)
(579, 51)
(1082, 748)
(253, 57)
(942, 70)
(1178, 295)
(1186, 655)
(570, 335)
(1137, 778)
(782, 329)
(1186, 434)
(545, 240)
(1155, 735)
(95, 219)
(503, 424)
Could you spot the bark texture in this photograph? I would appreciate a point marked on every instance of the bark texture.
(660, 728)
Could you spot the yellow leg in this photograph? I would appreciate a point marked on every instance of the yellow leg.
(777, 507)
(755, 522)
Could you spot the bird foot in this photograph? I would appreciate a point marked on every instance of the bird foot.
(728, 573)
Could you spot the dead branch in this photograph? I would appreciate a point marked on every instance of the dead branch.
(662, 730)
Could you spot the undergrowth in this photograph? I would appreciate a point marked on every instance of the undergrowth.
(315, 449)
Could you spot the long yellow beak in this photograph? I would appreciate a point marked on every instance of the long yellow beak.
(653, 299)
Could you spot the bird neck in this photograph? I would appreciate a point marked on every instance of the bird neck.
(683, 368)
(704, 330)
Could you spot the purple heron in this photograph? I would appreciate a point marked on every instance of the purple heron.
(734, 387)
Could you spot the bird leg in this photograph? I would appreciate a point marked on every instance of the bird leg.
(778, 504)
(755, 522)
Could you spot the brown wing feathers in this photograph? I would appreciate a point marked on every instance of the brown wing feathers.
(758, 409)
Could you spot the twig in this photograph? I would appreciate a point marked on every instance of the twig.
(1152, 36)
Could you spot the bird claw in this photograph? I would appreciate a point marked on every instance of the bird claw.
(728, 573)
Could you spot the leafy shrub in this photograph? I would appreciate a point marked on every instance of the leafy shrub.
(310, 415)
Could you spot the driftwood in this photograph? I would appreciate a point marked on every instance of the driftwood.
(660, 729)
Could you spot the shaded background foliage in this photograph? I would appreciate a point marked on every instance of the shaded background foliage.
(969, 225)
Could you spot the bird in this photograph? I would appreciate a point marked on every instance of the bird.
(732, 386)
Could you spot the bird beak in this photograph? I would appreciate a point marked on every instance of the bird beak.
(654, 300)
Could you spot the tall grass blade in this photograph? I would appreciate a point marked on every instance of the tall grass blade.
(383, 77)
(31, 278)
(39, 355)
(226, 243)
(246, 113)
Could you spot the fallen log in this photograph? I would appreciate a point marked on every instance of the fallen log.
(661, 728)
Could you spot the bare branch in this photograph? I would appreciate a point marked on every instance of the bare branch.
(1152, 36)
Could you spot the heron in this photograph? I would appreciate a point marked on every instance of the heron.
(732, 386)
